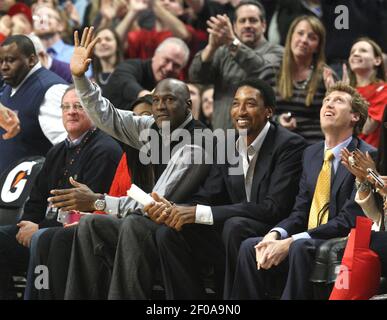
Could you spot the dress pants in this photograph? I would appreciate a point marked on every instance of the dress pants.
(289, 280)
(183, 255)
(92, 257)
(13, 259)
(235, 231)
(113, 258)
(54, 251)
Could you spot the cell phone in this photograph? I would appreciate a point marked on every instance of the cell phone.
(67, 217)
(376, 177)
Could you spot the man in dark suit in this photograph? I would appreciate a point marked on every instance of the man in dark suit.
(286, 253)
(238, 203)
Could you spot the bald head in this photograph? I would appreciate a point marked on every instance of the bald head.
(171, 102)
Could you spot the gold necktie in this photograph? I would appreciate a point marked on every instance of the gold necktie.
(319, 211)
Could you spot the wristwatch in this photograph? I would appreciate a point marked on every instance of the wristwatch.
(234, 46)
(363, 186)
(100, 203)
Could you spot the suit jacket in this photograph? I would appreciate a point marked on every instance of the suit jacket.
(274, 187)
(342, 207)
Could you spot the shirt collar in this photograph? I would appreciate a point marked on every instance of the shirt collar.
(34, 69)
(256, 145)
(58, 46)
(337, 149)
(76, 142)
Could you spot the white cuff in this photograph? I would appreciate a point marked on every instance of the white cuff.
(203, 215)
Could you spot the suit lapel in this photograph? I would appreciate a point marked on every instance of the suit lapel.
(316, 165)
(263, 162)
(237, 181)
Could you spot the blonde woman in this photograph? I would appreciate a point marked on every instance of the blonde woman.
(300, 85)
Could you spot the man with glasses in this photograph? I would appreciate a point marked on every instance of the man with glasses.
(88, 156)
(34, 94)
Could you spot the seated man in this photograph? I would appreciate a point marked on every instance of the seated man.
(88, 155)
(240, 203)
(102, 242)
(324, 208)
(34, 94)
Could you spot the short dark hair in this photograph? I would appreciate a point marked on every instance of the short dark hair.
(148, 99)
(256, 3)
(24, 44)
(266, 91)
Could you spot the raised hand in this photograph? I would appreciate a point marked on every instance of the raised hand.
(329, 80)
(83, 51)
(220, 31)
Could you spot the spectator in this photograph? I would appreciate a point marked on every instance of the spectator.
(62, 69)
(300, 86)
(142, 43)
(194, 92)
(323, 210)
(134, 78)
(108, 54)
(230, 57)
(207, 106)
(88, 155)
(35, 94)
(48, 26)
(367, 75)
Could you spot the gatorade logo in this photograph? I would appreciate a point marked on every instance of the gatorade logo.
(16, 181)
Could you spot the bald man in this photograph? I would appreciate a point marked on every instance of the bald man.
(106, 244)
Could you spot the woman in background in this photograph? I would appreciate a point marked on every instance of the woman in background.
(300, 85)
(107, 55)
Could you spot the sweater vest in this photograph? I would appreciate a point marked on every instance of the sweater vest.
(26, 102)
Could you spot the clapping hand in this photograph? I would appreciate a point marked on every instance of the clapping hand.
(83, 51)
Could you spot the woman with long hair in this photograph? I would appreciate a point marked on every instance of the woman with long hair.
(300, 85)
(366, 73)
(107, 55)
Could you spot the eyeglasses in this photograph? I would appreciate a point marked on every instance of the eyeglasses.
(75, 106)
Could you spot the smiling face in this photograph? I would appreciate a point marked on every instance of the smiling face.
(249, 112)
(168, 62)
(336, 114)
(171, 101)
(248, 26)
(107, 46)
(75, 119)
(304, 42)
(362, 57)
